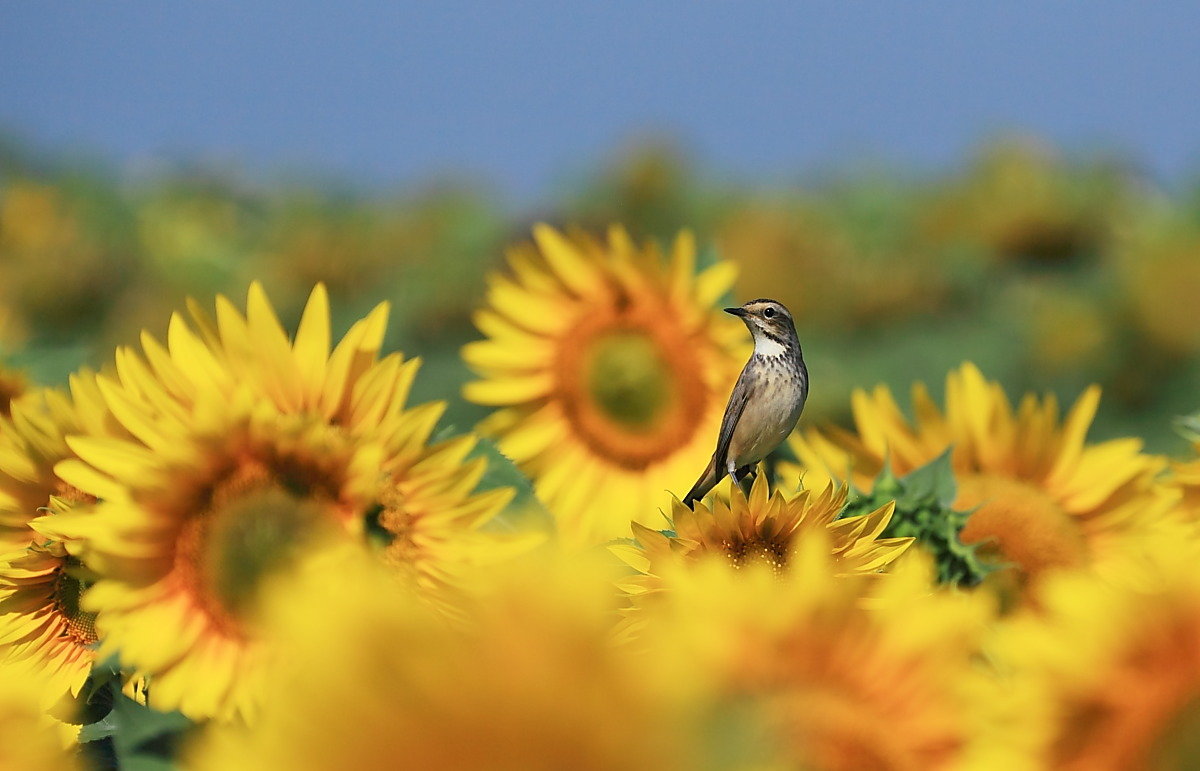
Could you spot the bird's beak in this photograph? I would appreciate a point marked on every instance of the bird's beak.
(737, 311)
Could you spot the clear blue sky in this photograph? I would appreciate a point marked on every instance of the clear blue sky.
(522, 93)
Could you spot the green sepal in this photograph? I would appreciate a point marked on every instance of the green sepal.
(925, 511)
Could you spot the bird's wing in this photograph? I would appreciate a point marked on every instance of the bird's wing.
(733, 412)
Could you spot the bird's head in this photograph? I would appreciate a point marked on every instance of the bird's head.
(766, 318)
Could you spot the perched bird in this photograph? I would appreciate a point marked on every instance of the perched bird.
(766, 401)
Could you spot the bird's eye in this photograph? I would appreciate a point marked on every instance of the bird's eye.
(769, 312)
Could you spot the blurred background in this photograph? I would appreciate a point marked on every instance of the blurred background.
(1018, 185)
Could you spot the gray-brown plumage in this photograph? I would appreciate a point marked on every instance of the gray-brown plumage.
(766, 401)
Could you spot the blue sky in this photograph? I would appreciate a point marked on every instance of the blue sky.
(523, 94)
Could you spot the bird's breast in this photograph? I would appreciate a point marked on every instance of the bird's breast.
(771, 413)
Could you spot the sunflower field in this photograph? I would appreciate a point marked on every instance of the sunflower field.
(241, 529)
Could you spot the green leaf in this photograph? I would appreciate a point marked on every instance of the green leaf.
(934, 480)
(924, 511)
(1189, 426)
(146, 738)
(98, 730)
(526, 510)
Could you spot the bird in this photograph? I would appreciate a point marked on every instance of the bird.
(766, 401)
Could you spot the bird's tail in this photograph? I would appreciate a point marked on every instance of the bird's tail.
(707, 481)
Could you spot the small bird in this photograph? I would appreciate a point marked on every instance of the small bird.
(766, 401)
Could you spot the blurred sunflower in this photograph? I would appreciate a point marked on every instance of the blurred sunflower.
(841, 682)
(193, 517)
(1186, 475)
(29, 739)
(1113, 666)
(532, 680)
(12, 385)
(33, 441)
(1044, 496)
(1021, 202)
(611, 367)
(759, 528)
(823, 256)
(426, 510)
(62, 266)
(41, 622)
(1160, 275)
(42, 625)
(243, 450)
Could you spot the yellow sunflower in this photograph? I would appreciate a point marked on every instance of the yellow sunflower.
(426, 510)
(41, 622)
(29, 739)
(843, 673)
(611, 367)
(188, 527)
(42, 625)
(532, 680)
(33, 441)
(1185, 474)
(760, 528)
(1045, 496)
(12, 385)
(232, 468)
(1113, 666)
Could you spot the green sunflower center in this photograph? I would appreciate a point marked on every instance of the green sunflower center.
(252, 537)
(629, 379)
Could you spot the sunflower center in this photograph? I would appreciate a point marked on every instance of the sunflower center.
(68, 589)
(631, 385)
(628, 379)
(254, 529)
(400, 524)
(758, 552)
(1025, 525)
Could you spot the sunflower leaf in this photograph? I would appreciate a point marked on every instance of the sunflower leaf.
(145, 738)
(101, 729)
(924, 511)
(525, 510)
(933, 480)
(1189, 426)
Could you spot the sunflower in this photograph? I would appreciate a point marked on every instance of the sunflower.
(12, 385)
(41, 622)
(29, 739)
(760, 528)
(42, 625)
(232, 468)
(426, 511)
(1022, 202)
(842, 672)
(611, 367)
(1113, 665)
(532, 680)
(189, 526)
(1046, 497)
(33, 441)
(1187, 476)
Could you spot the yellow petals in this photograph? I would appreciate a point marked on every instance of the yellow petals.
(1046, 497)
(609, 367)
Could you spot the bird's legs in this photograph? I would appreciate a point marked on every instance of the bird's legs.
(742, 477)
